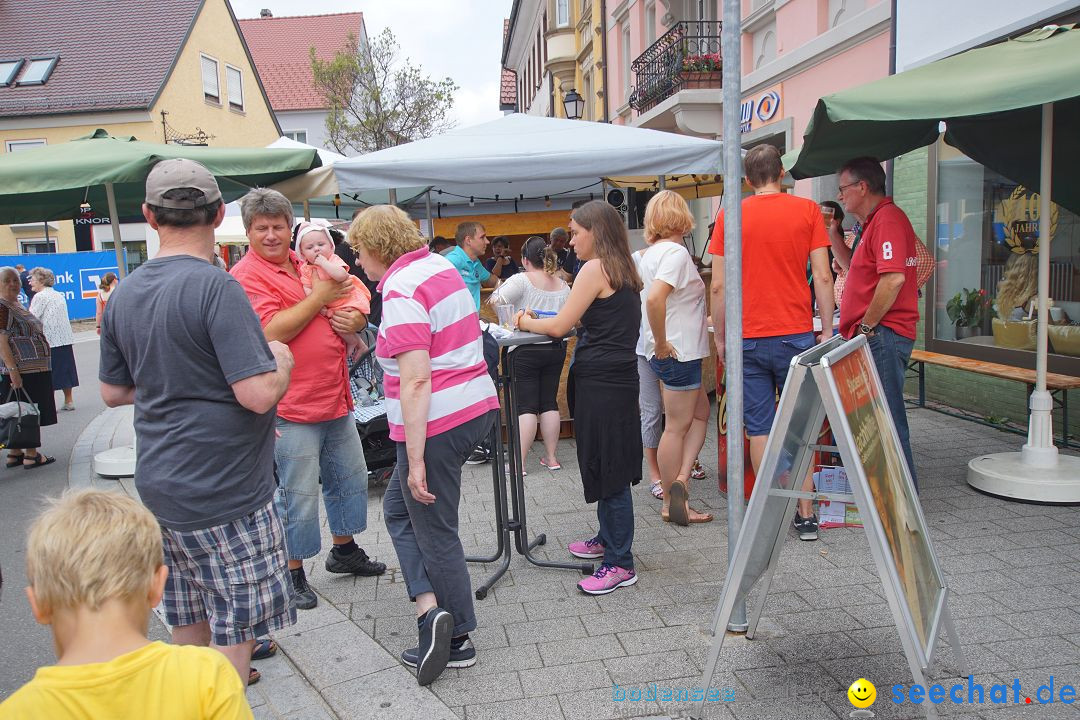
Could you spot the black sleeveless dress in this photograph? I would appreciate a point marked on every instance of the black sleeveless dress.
(604, 400)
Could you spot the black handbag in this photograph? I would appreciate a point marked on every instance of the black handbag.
(22, 431)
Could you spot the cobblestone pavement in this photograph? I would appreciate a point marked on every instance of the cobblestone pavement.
(547, 651)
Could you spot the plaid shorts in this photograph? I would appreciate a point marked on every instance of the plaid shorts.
(234, 575)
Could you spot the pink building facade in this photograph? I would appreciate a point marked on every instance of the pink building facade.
(663, 65)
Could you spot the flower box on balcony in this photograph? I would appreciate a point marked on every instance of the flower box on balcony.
(698, 80)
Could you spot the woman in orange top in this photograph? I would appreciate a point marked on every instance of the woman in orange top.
(105, 289)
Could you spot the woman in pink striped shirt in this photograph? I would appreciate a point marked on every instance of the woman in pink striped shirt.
(440, 402)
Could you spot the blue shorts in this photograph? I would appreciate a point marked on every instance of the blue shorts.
(765, 368)
(677, 375)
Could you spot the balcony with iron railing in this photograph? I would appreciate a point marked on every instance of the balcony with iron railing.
(686, 56)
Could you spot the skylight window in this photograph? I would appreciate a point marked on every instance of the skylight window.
(38, 70)
(8, 70)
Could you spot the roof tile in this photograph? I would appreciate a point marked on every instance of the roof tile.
(281, 48)
(113, 55)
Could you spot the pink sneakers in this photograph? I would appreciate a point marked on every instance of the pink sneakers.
(607, 579)
(587, 549)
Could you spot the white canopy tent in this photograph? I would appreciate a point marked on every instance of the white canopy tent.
(527, 158)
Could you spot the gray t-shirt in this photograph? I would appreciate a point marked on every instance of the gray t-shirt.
(182, 331)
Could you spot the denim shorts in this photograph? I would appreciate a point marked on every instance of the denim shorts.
(765, 367)
(677, 375)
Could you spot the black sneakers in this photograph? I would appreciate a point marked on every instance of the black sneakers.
(461, 656)
(355, 563)
(478, 456)
(303, 595)
(807, 527)
(433, 650)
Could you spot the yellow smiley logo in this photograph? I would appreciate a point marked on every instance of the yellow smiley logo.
(862, 693)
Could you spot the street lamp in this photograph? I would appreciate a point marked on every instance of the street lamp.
(574, 104)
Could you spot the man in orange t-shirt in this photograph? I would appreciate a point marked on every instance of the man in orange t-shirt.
(780, 233)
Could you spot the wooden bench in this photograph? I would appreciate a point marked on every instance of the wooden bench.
(1057, 385)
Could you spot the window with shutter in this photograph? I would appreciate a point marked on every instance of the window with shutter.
(210, 84)
(234, 81)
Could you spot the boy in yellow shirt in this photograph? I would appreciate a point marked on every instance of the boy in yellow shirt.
(95, 564)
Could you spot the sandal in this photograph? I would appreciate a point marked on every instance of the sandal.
(253, 676)
(552, 466)
(263, 649)
(37, 461)
(698, 472)
(657, 490)
(14, 460)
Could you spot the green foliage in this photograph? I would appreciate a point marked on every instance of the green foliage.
(968, 308)
(376, 100)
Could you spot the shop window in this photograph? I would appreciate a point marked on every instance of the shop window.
(211, 86)
(234, 83)
(38, 70)
(37, 246)
(987, 261)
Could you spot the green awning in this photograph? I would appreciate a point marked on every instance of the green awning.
(50, 183)
(989, 98)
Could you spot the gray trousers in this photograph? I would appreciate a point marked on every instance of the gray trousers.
(426, 537)
(651, 403)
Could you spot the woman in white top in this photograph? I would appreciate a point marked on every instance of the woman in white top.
(51, 309)
(676, 340)
(537, 368)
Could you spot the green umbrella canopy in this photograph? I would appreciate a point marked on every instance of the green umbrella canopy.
(990, 99)
(51, 182)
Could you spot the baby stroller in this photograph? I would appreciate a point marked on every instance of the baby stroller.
(369, 412)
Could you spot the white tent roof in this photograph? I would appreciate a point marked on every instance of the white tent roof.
(527, 155)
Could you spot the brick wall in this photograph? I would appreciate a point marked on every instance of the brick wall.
(983, 396)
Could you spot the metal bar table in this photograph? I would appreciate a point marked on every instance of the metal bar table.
(510, 487)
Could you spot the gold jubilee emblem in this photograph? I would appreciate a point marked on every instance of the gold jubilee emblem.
(1020, 216)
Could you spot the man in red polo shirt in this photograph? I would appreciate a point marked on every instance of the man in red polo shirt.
(881, 294)
(317, 436)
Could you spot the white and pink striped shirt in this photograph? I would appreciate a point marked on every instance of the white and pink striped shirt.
(426, 306)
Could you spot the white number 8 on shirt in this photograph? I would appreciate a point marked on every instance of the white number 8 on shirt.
(886, 251)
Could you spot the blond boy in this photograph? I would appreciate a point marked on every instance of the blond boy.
(95, 565)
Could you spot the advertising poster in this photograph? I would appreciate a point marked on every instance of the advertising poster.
(890, 488)
(77, 276)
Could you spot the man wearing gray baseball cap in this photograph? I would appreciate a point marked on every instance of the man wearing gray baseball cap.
(180, 341)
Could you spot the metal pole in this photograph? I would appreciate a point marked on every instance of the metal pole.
(114, 220)
(730, 51)
(392, 196)
(1039, 449)
(430, 221)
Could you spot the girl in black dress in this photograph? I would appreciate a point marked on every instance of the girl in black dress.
(603, 386)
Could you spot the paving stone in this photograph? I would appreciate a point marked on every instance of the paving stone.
(560, 679)
(655, 640)
(287, 694)
(812, 621)
(335, 653)
(1037, 652)
(985, 630)
(795, 649)
(599, 704)
(544, 708)
(576, 604)
(781, 708)
(474, 689)
(1037, 623)
(392, 692)
(599, 647)
(640, 669)
(822, 598)
(1034, 598)
(622, 621)
(527, 633)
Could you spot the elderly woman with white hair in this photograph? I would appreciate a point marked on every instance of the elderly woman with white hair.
(25, 354)
(50, 307)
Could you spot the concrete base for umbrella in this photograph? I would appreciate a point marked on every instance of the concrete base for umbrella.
(1007, 475)
(115, 463)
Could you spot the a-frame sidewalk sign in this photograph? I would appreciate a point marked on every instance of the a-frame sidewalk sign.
(838, 380)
